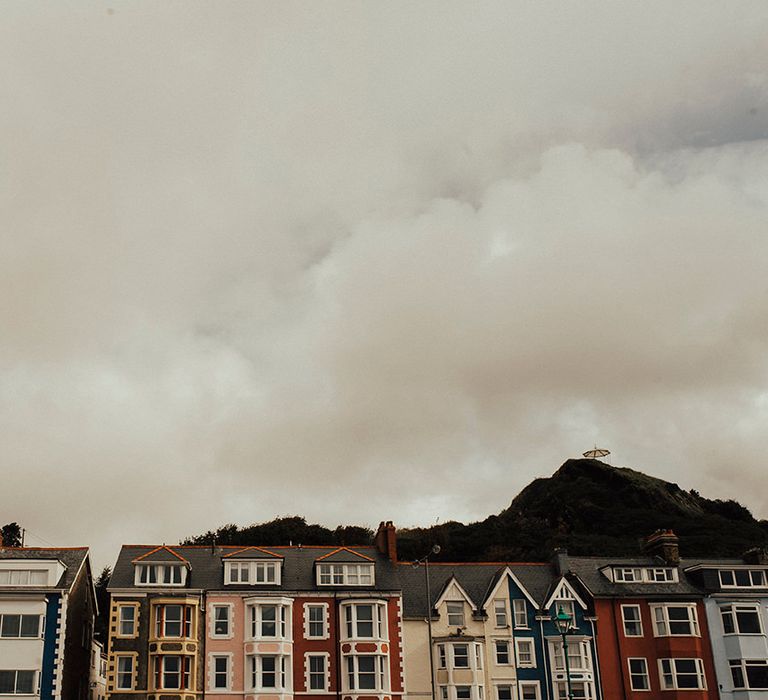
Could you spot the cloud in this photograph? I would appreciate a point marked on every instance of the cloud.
(259, 260)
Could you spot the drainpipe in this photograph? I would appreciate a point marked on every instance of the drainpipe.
(338, 643)
(203, 622)
(618, 650)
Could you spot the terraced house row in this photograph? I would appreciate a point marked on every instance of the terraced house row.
(354, 623)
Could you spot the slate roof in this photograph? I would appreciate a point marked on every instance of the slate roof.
(160, 554)
(588, 570)
(252, 553)
(71, 557)
(206, 570)
(477, 580)
(344, 554)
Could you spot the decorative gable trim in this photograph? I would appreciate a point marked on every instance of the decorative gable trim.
(564, 590)
(451, 583)
(505, 576)
(253, 549)
(346, 550)
(158, 550)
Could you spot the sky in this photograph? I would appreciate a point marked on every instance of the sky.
(361, 261)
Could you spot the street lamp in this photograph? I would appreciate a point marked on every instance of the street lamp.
(562, 622)
(425, 560)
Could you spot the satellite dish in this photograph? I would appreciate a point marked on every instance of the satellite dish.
(596, 453)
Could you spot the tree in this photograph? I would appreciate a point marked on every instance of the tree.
(10, 535)
(102, 599)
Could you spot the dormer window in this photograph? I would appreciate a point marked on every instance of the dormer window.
(164, 574)
(345, 574)
(23, 577)
(742, 578)
(252, 573)
(636, 574)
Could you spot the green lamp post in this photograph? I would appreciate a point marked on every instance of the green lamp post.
(562, 622)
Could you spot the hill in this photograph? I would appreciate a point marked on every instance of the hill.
(587, 506)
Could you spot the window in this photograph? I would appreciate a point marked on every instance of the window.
(742, 578)
(160, 575)
(526, 655)
(316, 672)
(478, 656)
(315, 621)
(633, 624)
(267, 672)
(638, 674)
(675, 621)
(125, 668)
(221, 672)
(455, 610)
(221, 622)
(502, 653)
(345, 574)
(567, 607)
(529, 691)
(658, 574)
(443, 692)
(441, 656)
(460, 655)
(365, 620)
(627, 575)
(579, 655)
(521, 613)
(23, 577)
(500, 612)
(580, 690)
(18, 682)
(173, 621)
(173, 672)
(268, 621)
(254, 573)
(504, 692)
(366, 673)
(463, 692)
(17, 626)
(750, 674)
(741, 619)
(681, 674)
(126, 620)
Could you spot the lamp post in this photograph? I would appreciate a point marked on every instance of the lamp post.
(562, 622)
(425, 560)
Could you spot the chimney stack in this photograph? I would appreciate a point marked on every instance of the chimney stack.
(664, 544)
(756, 555)
(385, 540)
(561, 561)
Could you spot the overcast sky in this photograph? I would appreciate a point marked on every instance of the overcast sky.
(363, 261)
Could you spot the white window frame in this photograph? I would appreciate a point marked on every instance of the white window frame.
(132, 657)
(467, 646)
(761, 575)
(674, 673)
(520, 612)
(458, 613)
(631, 674)
(215, 607)
(662, 621)
(627, 574)
(500, 614)
(214, 656)
(326, 657)
(21, 616)
(255, 619)
(568, 606)
(345, 574)
(258, 572)
(156, 574)
(119, 633)
(323, 607)
(733, 609)
(351, 670)
(639, 620)
(529, 684)
(584, 656)
(24, 577)
(512, 691)
(742, 664)
(35, 681)
(255, 672)
(378, 622)
(518, 654)
(501, 648)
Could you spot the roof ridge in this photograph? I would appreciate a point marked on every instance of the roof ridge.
(44, 549)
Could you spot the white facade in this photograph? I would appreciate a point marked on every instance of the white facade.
(22, 625)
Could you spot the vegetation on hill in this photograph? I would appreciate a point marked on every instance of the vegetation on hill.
(587, 506)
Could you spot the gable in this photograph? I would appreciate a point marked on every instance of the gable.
(161, 554)
(252, 553)
(506, 576)
(345, 555)
(453, 591)
(564, 591)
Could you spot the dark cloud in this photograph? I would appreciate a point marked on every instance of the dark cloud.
(260, 259)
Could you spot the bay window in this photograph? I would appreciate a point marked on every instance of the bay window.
(173, 621)
(580, 690)
(741, 619)
(681, 674)
(173, 672)
(268, 621)
(749, 674)
(365, 620)
(675, 620)
(267, 672)
(579, 655)
(366, 672)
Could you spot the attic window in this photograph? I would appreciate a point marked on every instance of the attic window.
(345, 574)
(160, 575)
(742, 578)
(253, 573)
(657, 574)
(23, 577)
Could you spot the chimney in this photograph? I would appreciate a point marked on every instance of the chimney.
(756, 555)
(385, 540)
(561, 561)
(664, 544)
